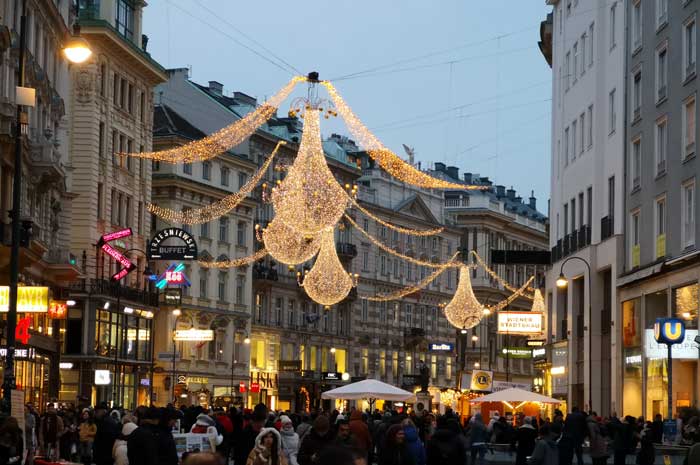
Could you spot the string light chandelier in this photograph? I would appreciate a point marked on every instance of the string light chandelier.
(391, 251)
(388, 160)
(327, 283)
(309, 199)
(218, 208)
(498, 278)
(408, 290)
(464, 311)
(238, 262)
(410, 232)
(287, 245)
(518, 293)
(225, 138)
(538, 303)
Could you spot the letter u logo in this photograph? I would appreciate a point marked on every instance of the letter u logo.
(657, 331)
(673, 330)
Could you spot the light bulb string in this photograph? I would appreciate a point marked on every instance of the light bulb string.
(218, 208)
(495, 276)
(410, 232)
(235, 263)
(507, 301)
(393, 252)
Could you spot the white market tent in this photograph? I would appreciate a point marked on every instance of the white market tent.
(513, 395)
(368, 389)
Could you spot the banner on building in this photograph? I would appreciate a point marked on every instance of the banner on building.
(30, 299)
(520, 322)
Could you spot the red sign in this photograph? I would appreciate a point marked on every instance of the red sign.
(58, 309)
(115, 254)
(241, 387)
(126, 264)
(254, 387)
(174, 277)
(116, 235)
(119, 275)
(22, 330)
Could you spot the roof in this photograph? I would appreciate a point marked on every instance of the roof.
(167, 122)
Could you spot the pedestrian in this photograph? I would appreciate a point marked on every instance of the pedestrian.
(657, 429)
(304, 426)
(225, 425)
(86, 435)
(525, 437)
(11, 442)
(624, 439)
(478, 437)
(360, 432)
(446, 445)
(693, 456)
(29, 434)
(207, 425)
(152, 442)
(267, 450)
(395, 450)
(343, 435)
(107, 432)
(646, 452)
(598, 448)
(289, 439)
(319, 438)
(415, 446)
(245, 441)
(575, 426)
(545, 451)
(120, 451)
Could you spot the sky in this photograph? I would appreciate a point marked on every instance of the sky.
(462, 82)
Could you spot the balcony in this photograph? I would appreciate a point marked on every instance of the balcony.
(115, 290)
(573, 241)
(584, 236)
(607, 226)
(346, 250)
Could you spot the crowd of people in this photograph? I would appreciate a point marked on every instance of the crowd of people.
(104, 436)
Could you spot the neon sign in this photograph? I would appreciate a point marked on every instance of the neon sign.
(115, 254)
(173, 275)
(109, 237)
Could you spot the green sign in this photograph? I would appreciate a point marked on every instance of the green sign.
(516, 352)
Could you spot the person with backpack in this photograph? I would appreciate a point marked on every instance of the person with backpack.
(545, 451)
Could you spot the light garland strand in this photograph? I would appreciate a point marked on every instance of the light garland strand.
(287, 245)
(538, 304)
(309, 199)
(518, 293)
(225, 138)
(495, 276)
(410, 232)
(393, 252)
(327, 282)
(403, 292)
(218, 208)
(464, 311)
(388, 160)
(238, 262)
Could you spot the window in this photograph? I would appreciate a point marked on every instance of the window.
(661, 145)
(223, 229)
(589, 207)
(142, 106)
(566, 219)
(125, 18)
(636, 94)
(224, 176)
(100, 201)
(591, 49)
(382, 264)
(115, 90)
(566, 146)
(242, 179)
(689, 127)
(634, 238)
(661, 73)
(204, 230)
(206, 170)
(660, 227)
(240, 289)
(661, 12)
(290, 312)
(688, 214)
(365, 260)
(582, 124)
(573, 215)
(574, 140)
(382, 312)
(409, 315)
(202, 284)
(590, 126)
(101, 141)
(187, 168)
(689, 48)
(583, 54)
(222, 286)
(637, 24)
(580, 209)
(613, 12)
(241, 234)
(612, 115)
(567, 67)
(365, 309)
(113, 205)
(636, 161)
(115, 147)
(365, 224)
(574, 67)
(611, 197)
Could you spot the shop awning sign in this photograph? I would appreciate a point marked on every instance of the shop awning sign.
(30, 299)
(289, 366)
(126, 264)
(186, 248)
(519, 322)
(195, 335)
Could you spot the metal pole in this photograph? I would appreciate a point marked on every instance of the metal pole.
(173, 375)
(669, 383)
(115, 381)
(9, 373)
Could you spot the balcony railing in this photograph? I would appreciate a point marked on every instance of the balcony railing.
(114, 290)
(606, 227)
(346, 250)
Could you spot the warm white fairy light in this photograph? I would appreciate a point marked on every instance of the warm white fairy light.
(410, 232)
(225, 138)
(327, 282)
(408, 290)
(391, 251)
(388, 160)
(238, 262)
(538, 303)
(464, 311)
(288, 246)
(309, 199)
(495, 276)
(218, 208)
(518, 293)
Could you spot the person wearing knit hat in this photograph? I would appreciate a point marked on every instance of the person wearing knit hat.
(290, 440)
(119, 452)
(319, 438)
(206, 425)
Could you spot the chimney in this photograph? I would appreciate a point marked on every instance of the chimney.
(453, 172)
(245, 99)
(500, 190)
(510, 193)
(533, 201)
(216, 87)
(519, 199)
(485, 181)
(468, 178)
(439, 166)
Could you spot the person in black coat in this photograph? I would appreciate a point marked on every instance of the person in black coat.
(316, 441)
(657, 429)
(244, 441)
(152, 442)
(576, 428)
(445, 446)
(107, 432)
(525, 438)
(11, 442)
(395, 450)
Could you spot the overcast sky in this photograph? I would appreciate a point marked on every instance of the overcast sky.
(461, 81)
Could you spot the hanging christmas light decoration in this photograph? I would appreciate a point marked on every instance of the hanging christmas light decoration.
(218, 208)
(538, 303)
(238, 262)
(464, 311)
(388, 160)
(410, 232)
(404, 291)
(327, 282)
(287, 245)
(225, 138)
(309, 199)
(496, 276)
(391, 251)
(518, 293)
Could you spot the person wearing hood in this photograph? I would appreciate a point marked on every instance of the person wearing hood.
(395, 451)
(360, 431)
(245, 441)
(268, 449)
(415, 446)
(290, 440)
(119, 453)
(525, 437)
(598, 448)
(315, 441)
(206, 425)
(447, 444)
(478, 437)
(545, 452)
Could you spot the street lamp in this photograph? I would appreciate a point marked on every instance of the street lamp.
(246, 340)
(77, 50)
(475, 338)
(562, 282)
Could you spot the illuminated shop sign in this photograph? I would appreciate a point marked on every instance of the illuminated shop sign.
(442, 347)
(126, 264)
(519, 322)
(19, 353)
(173, 275)
(194, 335)
(187, 250)
(102, 377)
(669, 331)
(516, 352)
(58, 309)
(113, 236)
(30, 299)
(685, 350)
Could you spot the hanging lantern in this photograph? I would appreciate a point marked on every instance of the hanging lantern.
(464, 310)
(327, 282)
(288, 246)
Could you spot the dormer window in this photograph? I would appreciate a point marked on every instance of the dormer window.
(125, 19)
